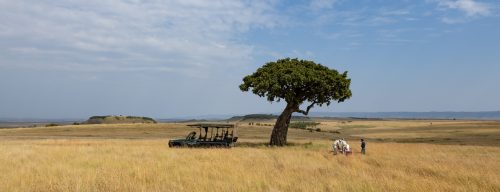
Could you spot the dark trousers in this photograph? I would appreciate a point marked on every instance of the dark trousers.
(363, 151)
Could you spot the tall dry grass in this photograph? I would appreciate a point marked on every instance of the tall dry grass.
(148, 165)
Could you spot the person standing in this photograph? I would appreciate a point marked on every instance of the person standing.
(363, 146)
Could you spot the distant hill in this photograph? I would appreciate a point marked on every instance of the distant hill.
(481, 115)
(111, 119)
(255, 117)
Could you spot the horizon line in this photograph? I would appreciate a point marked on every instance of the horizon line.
(239, 114)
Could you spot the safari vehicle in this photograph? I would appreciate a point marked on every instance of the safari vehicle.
(209, 135)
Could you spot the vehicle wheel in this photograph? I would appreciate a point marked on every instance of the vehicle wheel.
(174, 145)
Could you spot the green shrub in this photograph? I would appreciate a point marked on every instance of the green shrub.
(97, 117)
(303, 124)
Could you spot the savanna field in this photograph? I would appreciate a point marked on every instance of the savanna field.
(401, 156)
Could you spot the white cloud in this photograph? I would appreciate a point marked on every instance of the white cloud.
(180, 35)
(397, 12)
(470, 7)
(321, 4)
(448, 20)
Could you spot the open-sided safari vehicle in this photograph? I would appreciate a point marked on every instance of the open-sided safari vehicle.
(209, 135)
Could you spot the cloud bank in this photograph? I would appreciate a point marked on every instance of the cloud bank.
(470, 7)
(186, 36)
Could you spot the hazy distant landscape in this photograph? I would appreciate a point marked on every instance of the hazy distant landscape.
(414, 115)
(486, 115)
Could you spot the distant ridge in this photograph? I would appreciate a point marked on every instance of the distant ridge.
(111, 119)
(483, 115)
(480, 115)
(263, 117)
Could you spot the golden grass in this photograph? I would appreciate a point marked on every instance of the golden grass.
(432, 133)
(135, 157)
(148, 165)
(144, 131)
(388, 124)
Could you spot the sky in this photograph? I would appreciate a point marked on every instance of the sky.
(181, 58)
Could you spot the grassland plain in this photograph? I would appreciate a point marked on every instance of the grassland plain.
(134, 157)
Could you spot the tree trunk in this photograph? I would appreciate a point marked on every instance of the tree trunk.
(280, 130)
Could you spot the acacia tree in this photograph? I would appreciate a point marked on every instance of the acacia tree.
(297, 82)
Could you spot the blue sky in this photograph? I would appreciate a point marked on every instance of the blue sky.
(74, 59)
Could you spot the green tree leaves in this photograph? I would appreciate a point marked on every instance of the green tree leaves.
(298, 81)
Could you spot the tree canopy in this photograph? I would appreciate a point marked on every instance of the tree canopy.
(298, 81)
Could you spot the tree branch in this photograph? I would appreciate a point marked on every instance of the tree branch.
(306, 112)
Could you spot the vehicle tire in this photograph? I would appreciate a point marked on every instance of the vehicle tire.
(174, 145)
